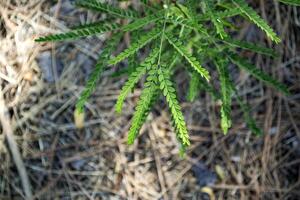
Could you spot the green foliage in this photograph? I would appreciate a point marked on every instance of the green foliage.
(139, 23)
(145, 103)
(257, 73)
(188, 56)
(135, 46)
(291, 2)
(215, 20)
(247, 116)
(226, 92)
(194, 86)
(250, 46)
(82, 31)
(254, 17)
(101, 63)
(169, 92)
(230, 12)
(106, 8)
(134, 77)
(194, 36)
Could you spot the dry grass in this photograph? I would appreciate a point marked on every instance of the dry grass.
(40, 85)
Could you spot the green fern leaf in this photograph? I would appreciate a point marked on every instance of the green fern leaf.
(210, 89)
(194, 86)
(143, 22)
(169, 92)
(106, 8)
(134, 78)
(179, 20)
(188, 23)
(101, 63)
(250, 46)
(135, 46)
(257, 73)
(226, 92)
(291, 2)
(215, 20)
(145, 103)
(192, 5)
(184, 22)
(145, 2)
(254, 17)
(82, 31)
(188, 56)
(207, 87)
(230, 12)
(247, 116)
(192, 9)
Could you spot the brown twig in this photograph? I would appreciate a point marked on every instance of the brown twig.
(8, 133)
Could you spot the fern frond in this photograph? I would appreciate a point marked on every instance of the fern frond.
(210, 89)
(207, 87)
(194, 85)
(250, 46)
(169, 92)
(257, 73)
(135, 46)
(291, 2)
(106, 8)
(254, 17)
(188, 56)
(82, 31)
(101, 63)
(230, 12)
(215, 20)
(144, 105)
(90, 86)
(189, 23)
(139, 23)
(134, 78)
(145, 2)
(179, 20)
(192, 6)
(247, 116)
(226, 92)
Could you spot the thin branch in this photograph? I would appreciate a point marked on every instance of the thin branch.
(12, 144)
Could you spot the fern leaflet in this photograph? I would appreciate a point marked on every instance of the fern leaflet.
(231, 12)
(250, 46)
(291, 2)
(188, 56)
(91, 84)
(106, 8)
(247, 116)
(134, 78)
(139, 23)
(258, 73)
(82, 31)
(222, 66)
(169, 92)
(145, 103)
(193, 87)
(135, 46)
(228, 13)
(254, 17)
(215, 20)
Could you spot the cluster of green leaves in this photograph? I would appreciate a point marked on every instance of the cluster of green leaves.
(193, 33)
